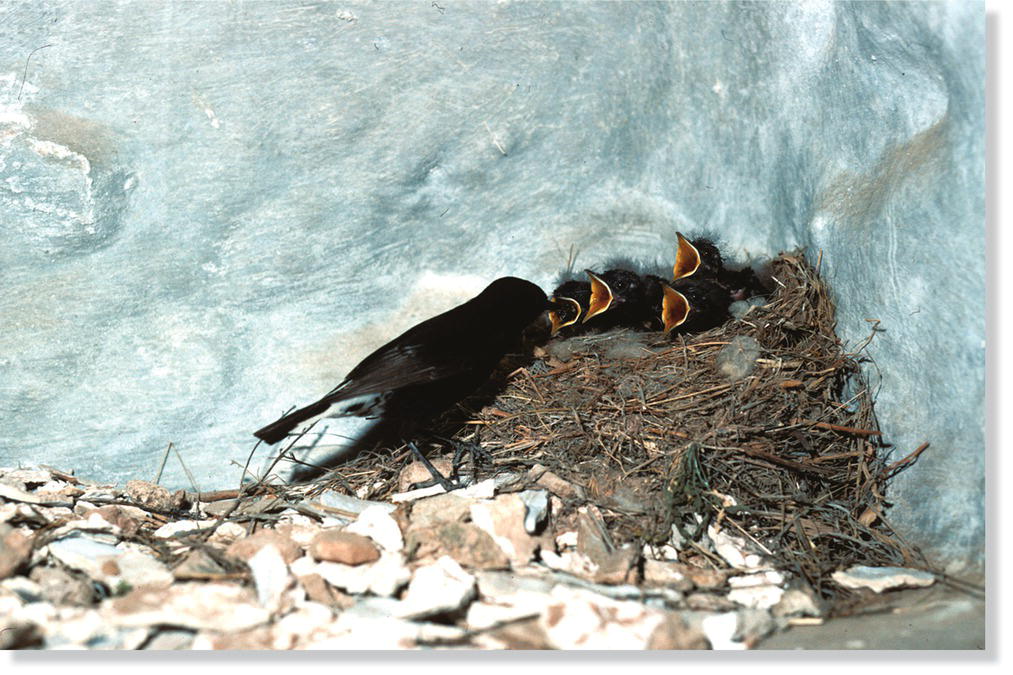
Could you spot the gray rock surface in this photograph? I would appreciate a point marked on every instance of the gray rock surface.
(210, 211)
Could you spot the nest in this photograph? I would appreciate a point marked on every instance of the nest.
(763, 426)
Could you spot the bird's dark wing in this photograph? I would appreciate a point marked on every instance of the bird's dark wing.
(446, 347)
(398, 366)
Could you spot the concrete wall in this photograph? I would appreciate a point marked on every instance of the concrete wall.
(211, 211)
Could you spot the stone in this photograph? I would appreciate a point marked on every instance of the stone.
(126, 519)
(760, 590)
(170, 639)
(608, 564)
(579, 619)
(270, 577)
(439, 588)
(466, 543)
(319, 591)
(416, 473)
(225, 533)
(60, 588)
(503, 519)
(343, 547)
(351, 506)
(302, 626)
(536, 514)
(15, 550)
(116, 568)
(385, 577)
(880, 579)
(443, 508)
(797, 602)
(720, 630)
(377, 523)
(197, 606)
(246, 640)
(756, 597)
(19, 634)
(666, 573)
(675, 632)
(176, 528)
(154, 496)
(13, 493)
(544, 478)
(516, 634)
(247, 547)
(736, 551)
(197, 564)
(298, 528)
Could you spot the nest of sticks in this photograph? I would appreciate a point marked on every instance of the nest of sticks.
(659, 434)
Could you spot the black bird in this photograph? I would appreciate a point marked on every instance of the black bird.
(693, 305)
(700, 256)
(701, 259)
(569, 302)
(618, 298)
(612, 298)
(412, 378)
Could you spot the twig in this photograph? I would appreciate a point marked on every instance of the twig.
(161, 467)
(24, 76)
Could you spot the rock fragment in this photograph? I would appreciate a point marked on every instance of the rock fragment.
(15, 550)
(881, 579)
(377, 523)
(213, 606)
(340, 546)
(247, 547)
(439, 588)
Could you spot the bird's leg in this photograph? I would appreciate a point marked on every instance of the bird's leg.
(434, 472)
(477, 452)
(474, 448)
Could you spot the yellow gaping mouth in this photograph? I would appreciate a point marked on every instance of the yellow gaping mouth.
(601, 296)
(557, 323)
(674, 308)
(687, 258)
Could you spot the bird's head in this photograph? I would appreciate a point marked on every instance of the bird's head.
(514, 302)
(612, 289)
(700, 257)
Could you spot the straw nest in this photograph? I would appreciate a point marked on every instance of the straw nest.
(763, 425)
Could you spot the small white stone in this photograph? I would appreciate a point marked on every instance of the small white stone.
(881, 579)
(376, 523)
(384, 577)
(270, 576)
(567, 539)
(720, 629)
(756, 597)
(734, 550)
(175, 527)
(763, 578)
(440, 587)
(581, 619)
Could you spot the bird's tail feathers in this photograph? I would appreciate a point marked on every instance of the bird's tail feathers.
(276, 431)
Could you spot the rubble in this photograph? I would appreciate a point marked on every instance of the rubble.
(478, 569)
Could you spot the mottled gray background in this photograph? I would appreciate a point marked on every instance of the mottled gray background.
(210, 211)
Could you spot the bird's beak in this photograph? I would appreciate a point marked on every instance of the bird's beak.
(674, 308)
(557, 322)
(687, 258)
(601, 296)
